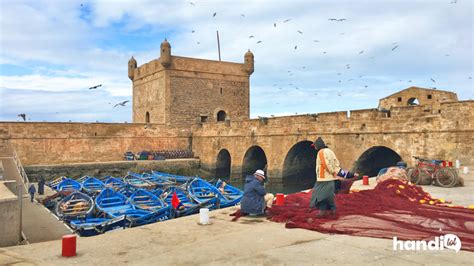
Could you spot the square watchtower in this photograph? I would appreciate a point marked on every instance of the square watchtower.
(178, 90)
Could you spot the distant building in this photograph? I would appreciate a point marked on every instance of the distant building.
(417, 96)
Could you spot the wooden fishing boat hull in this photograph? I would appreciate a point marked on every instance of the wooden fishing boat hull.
(114, 183)
(74, 206)
(112, 203)
(139, 217)
(146, 200)
(230, 192)
(189, 205)
(92, 186)
(172, 178)
(68, 184)
(96, 226)
(201, 190)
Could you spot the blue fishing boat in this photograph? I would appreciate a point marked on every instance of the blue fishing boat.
(112, 203)
(137, 181)
(68, 184)
(75, 205)
(158, 181)
(157, 192)
(92, 186)
(103, 178)
(201, 190)
(114, 182)
(82, 178)
(229, 191)
(139, 217)
(145, 200)
(53, 184)
(172, 178)
(186, 204)
(127, 189)
(95, 226)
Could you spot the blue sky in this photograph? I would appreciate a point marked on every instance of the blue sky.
(53, 51)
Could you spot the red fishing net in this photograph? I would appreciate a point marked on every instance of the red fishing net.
(394, 208)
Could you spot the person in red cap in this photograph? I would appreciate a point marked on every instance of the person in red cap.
(328, 172)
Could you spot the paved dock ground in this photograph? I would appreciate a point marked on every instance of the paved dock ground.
(247, 241)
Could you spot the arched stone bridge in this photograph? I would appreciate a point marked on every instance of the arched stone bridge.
(366, 140)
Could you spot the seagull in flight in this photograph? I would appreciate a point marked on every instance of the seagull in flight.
(213, 15)
(300, 32)
(121, 104)
(361, 52)
(23, 116)
(191, 3)
(395, 47)
(274, 25)
(95, 87)
(259, 42)
(433, 80)
(296, 47)
(286, 20)
(251, 36)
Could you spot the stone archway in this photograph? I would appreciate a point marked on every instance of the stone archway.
(372, 160)
(254, 159)
(299, 167)
(223, 164)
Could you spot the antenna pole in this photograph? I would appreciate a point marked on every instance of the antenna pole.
(218, 45)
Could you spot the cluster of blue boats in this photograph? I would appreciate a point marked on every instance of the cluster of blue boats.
(92, 206)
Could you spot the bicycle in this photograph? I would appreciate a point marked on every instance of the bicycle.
(428, 170)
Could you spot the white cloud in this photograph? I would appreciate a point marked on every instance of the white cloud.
(72, 49)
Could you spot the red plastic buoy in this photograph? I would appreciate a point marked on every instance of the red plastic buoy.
(69, 246)
(450, 164)
(444, 163)
(280, 199)
(365, 180)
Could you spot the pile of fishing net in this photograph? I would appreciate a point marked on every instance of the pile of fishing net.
(394, 207)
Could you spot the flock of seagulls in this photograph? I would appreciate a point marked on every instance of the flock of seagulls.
(23, 115)
(395, 46)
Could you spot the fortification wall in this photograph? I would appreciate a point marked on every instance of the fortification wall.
(52, 143)
(444, 132)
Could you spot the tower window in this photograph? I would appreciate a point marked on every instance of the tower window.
(221, 90)
(203, 118)
(221, 116)
(399, 99)
(413, 101)
(429, 97)
(147, 117)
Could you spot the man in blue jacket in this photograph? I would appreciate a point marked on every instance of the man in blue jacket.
(255, 197)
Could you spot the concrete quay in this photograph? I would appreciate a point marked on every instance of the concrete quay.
(247, 241)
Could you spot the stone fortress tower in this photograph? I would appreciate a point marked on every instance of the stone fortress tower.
(176, 90)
